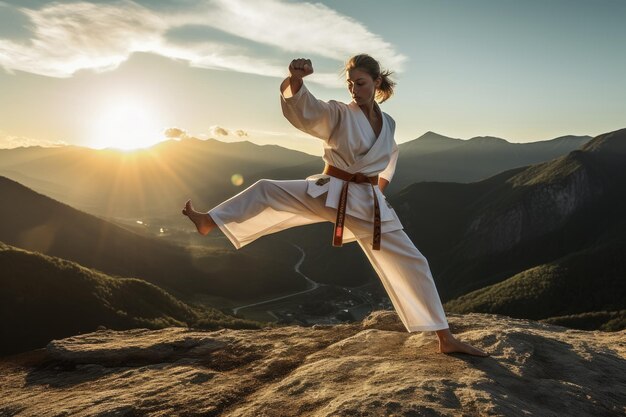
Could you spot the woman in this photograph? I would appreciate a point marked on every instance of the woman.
(360, 154)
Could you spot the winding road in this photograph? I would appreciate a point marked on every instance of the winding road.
(313, 285)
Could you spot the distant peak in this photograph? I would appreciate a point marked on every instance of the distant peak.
(430, 135)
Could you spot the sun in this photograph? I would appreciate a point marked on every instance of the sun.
(125, 123)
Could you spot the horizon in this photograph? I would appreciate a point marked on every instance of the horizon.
(127, 75)
(178, 140)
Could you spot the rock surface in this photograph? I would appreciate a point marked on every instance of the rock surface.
(373, 368)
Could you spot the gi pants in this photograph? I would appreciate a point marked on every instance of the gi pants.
(269, 206)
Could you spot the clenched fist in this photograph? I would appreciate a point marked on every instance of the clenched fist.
(300, 68)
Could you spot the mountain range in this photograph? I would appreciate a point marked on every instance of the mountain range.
(542, 241)
(155, 182)
(144, 183)
(537, 242)
(433, 157)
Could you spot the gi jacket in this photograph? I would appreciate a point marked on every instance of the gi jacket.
(350, 144)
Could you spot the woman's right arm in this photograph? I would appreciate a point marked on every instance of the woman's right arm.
(301, 108)
(298, 69)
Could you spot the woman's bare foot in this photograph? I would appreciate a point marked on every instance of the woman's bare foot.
(203, 221)
(449, 344)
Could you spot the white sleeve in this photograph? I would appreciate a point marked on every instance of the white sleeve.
(310, 115)
(388, 172)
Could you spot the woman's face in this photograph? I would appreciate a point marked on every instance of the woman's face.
(362, 86)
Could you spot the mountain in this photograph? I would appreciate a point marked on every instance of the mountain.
(535, 242)
(144, 183)
(153, 183)
(44, 298)
(479, 234)
(429, 142)
(444, 212)
(370, 368)
(39, 223)
(584, 290)
(433, 157)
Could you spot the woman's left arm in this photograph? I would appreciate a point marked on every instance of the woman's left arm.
(382, 184)
(384, 178)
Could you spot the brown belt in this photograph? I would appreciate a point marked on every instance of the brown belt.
(341, 209)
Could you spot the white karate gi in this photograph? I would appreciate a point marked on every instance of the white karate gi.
(269, 206)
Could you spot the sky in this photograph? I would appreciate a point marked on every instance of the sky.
(130, 73)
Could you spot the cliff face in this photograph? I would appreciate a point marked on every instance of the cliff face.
(373, 368)
(536, 209)
(541, 198)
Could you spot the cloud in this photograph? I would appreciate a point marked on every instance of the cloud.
(218, 131)
(68, 37)
(10, 142)
(309, 28)
(178, 133)
(175, 133)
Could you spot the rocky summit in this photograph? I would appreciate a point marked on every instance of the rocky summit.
(371, 368)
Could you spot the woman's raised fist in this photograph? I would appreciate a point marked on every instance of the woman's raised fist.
(300, 67)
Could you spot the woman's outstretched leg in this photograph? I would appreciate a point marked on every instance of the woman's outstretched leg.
(267, 206)
(204, 223)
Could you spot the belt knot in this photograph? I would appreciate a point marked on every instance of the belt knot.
(343, 201)
(360, 178)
